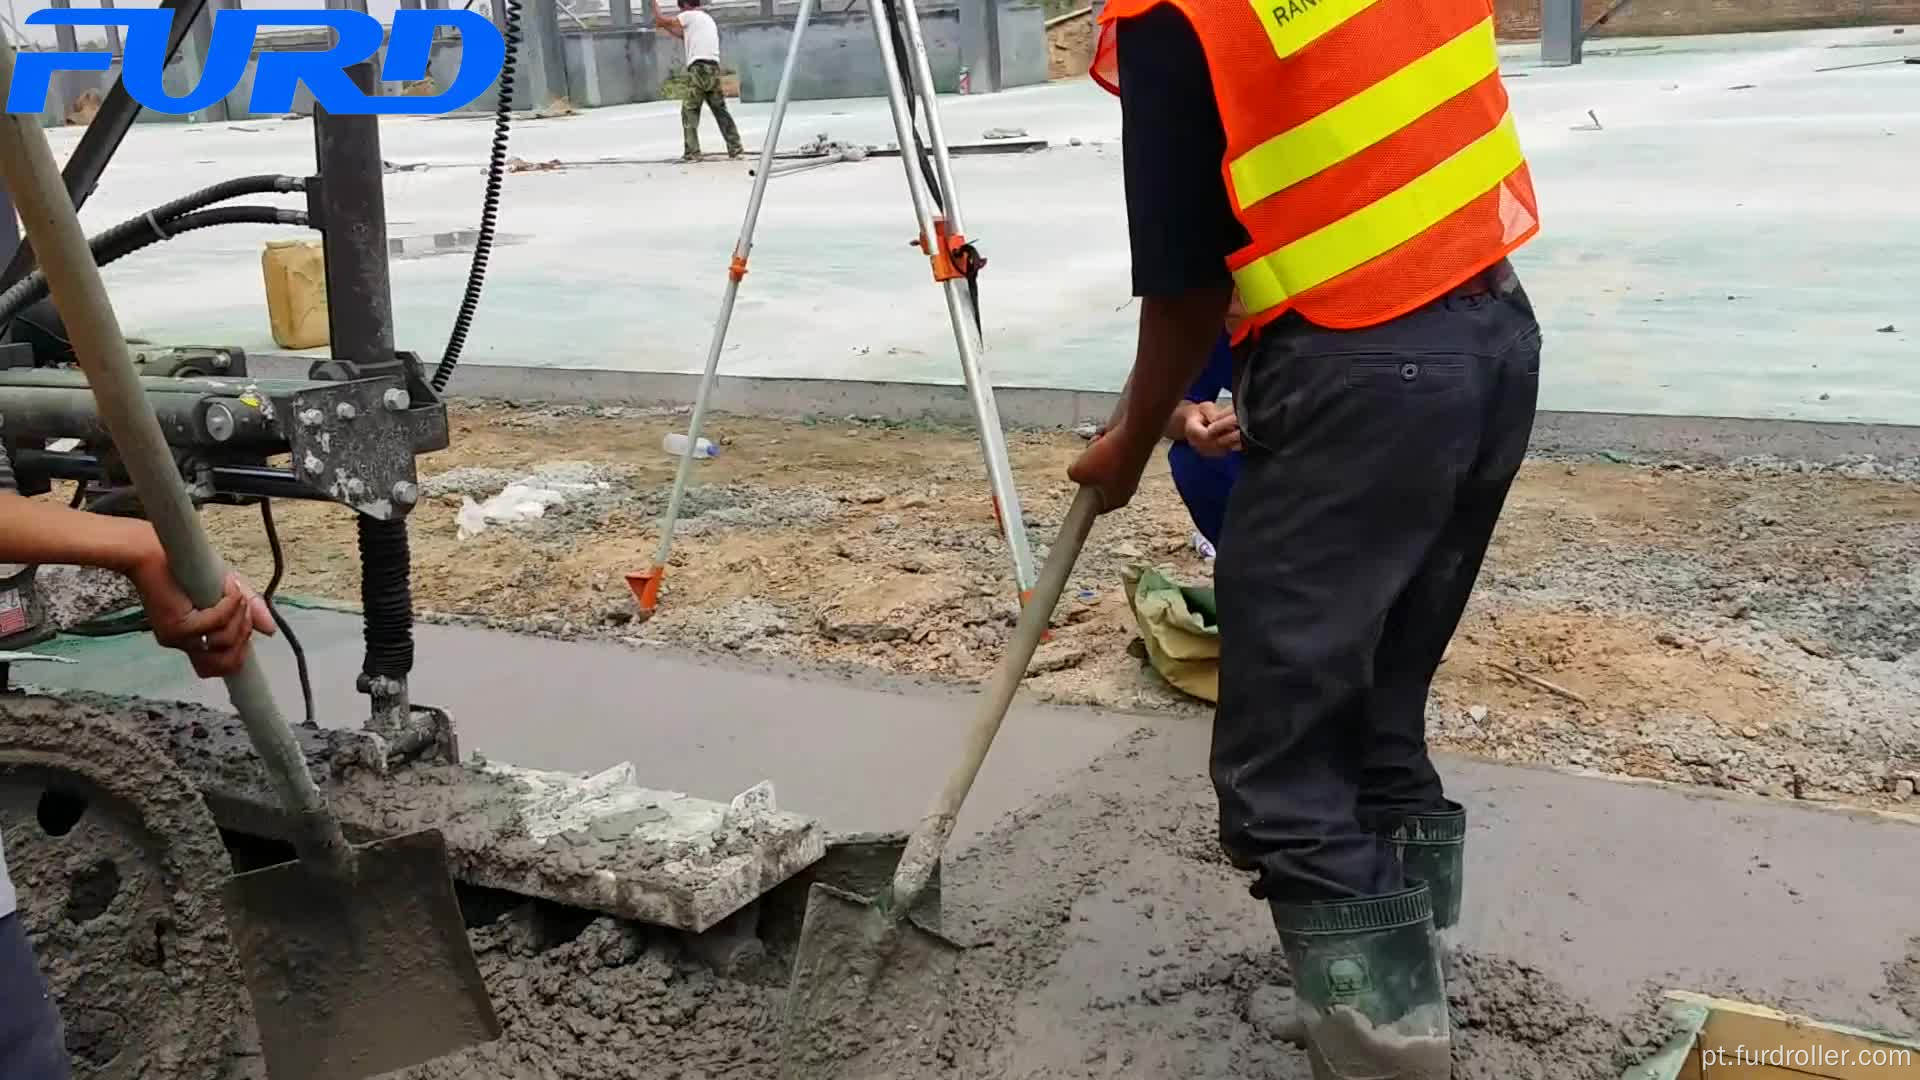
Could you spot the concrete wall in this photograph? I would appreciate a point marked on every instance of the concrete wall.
(838, 57)
(617, 66)
(1017, 29)
(1521, 18)
(1023, 43)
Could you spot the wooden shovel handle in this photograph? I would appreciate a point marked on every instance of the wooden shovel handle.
(923, 850)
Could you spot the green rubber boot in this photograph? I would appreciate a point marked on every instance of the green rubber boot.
(1366, 981)
(1432, 848)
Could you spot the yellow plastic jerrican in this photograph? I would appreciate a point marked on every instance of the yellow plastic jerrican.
(296, 278)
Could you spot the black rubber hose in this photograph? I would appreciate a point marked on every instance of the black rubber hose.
(144, 225)
(130, 236)
(286, 628)
(265, 184)
(386, 596)
(489, 202)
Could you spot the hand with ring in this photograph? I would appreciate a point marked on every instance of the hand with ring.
(215, 640)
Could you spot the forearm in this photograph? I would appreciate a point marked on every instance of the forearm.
(35, 531)
(1176, 334)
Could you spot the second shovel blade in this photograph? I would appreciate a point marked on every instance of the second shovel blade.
(868, 999)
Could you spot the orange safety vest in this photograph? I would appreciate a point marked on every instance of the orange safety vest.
(1370, 153)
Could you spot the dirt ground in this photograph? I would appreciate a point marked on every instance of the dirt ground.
(1070, 47)
(1750, 627)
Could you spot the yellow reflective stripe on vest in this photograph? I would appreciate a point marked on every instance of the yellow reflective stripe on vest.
(1365, 118)
(1292, 25)
(1383, 225)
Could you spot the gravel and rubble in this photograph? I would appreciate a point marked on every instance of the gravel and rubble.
(1752, 626)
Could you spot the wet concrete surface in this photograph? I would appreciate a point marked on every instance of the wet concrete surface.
(1607, 888)
(855, 756)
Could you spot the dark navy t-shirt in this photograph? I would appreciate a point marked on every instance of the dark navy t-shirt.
(1179, 220)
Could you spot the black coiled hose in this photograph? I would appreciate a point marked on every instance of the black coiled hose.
(135, 233)
(386, 595)
(489, 203)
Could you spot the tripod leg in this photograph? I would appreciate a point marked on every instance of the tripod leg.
(935, 231)
(646, 583)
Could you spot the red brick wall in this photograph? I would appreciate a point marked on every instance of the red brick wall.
(1521, 18)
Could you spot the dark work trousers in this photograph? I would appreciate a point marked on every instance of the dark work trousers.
(31, 1046)
(1376, 464)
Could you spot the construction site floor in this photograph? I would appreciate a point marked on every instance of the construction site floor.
(1116, 941)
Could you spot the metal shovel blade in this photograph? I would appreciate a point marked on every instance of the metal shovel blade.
(868, 998)
(355, 977)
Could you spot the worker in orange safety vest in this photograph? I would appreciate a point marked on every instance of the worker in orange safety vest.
(1352, 169)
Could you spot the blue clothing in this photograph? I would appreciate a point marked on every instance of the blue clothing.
(1205, 482)
(31, 1046)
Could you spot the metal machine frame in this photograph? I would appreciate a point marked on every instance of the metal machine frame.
(352, 429)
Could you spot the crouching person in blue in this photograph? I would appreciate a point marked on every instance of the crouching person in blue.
(1205, 456)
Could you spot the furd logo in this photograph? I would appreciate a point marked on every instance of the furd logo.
(277, 74)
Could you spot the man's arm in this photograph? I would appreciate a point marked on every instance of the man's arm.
(34, 531)
(669, 23)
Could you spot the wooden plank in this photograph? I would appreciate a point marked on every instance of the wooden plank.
(1677, 1058)
(1796, 1046)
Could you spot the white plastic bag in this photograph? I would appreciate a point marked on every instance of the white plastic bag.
(515, 503)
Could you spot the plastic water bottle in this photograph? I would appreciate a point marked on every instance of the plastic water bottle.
(676, 444)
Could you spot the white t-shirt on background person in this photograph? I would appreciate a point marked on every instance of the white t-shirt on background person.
(701, 37)
(7, 899)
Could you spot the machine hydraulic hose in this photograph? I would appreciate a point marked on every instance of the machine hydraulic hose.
(489, 202)
(135, 233)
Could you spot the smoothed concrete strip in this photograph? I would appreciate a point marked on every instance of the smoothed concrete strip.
(851, 755)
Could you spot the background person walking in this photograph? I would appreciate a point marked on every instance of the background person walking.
(701, 37)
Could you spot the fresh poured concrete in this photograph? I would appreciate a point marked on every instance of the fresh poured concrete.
(1606, 886)
(1728, 239)
(857, 757)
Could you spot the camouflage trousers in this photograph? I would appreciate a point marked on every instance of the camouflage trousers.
(703, 87)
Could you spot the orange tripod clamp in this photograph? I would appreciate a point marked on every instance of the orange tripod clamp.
(951, 255)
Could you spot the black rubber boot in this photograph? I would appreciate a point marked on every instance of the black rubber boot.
(1366, 980)
(1432, 849)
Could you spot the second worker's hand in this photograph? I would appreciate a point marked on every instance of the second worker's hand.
(1114, 463)
(1212, 429)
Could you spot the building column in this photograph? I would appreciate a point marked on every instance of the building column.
(1560, 32)
(541, 77)
(980, 50)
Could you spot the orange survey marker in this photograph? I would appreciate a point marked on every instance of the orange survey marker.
(646, 587)
(956, 266)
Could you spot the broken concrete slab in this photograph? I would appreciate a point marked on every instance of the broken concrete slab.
(603, 842)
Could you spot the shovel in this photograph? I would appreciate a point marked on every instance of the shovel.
(869, 992)
(356, 958)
